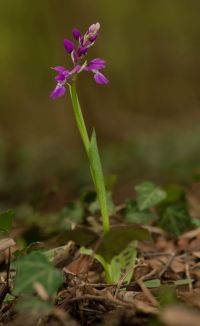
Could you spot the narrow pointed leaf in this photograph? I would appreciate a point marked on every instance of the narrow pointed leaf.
(97, 174)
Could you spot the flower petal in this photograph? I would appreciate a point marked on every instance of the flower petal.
(59, 68)
(58, 91)
(96, 64)
(82, 50)
(75, 70)
(100, 78)
(69, 45)
(76, 34)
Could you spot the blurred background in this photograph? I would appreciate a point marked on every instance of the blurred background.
(147, 118)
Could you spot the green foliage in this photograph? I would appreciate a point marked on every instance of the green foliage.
(33, 268)
(134, 215)
(117, 251)
(95, 207)
(154, 283)
(120, 266)
(33, 305)
(118, 237)
(175, 218)
(98, 178)
(149, 195)
(71, 213)
(83, 236)
(6, 219)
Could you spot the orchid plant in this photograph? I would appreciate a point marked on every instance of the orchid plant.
(67, 79)
(117, 253)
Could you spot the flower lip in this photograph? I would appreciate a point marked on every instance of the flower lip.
(100, 78)
(96, 64)
(58, 91)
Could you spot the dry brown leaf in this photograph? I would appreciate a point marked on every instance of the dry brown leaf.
(180, 316)
(177, 265)
(6, 243)
(78, 266)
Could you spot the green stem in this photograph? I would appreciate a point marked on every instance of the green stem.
(93, 156)
(79, 117)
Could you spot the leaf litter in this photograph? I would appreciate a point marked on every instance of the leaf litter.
(62, 286)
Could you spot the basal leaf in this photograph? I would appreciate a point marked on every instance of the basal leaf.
(122, 265)
(81, 235)
(33, 268)
(149, 195)
(6, 219)
(117, 238)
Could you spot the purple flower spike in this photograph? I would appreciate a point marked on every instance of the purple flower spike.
(69, 45)
(58, 91)
(77, 54)
(100, 78)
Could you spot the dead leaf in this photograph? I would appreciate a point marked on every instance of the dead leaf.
(180, 316)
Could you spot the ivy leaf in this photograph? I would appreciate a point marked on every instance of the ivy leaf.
(133, 215)
(6, 219)
(149, 195)
(73, 212)
(33, 305)
(175, 219)
(33, 268)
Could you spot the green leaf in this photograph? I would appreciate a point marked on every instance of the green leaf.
(149, 195)
(122, 265)
(175, 219)
(35, 267)
(174, 193)
(33, 305)
(133, 215)
(118, 237)
(185, 281)
(155, 283)
(73, 212)
(94, 206)
(6, 219)
(81, 235)
(90, 252)
(97, 174)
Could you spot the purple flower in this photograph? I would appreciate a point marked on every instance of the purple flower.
(96, 64)
(76, 34)
(58, 91)
(69, 45)
(100, 78)
(78, 53)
